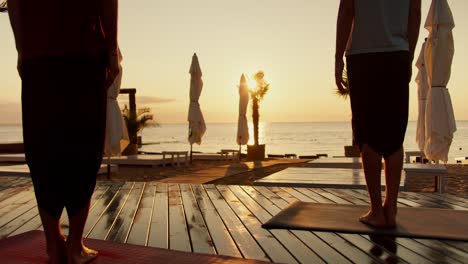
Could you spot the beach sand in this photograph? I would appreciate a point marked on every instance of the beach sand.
(245, 173)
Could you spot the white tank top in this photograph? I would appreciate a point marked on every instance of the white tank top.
(379, 26)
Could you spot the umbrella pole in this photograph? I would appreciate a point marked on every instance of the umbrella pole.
(190, 153)
(240, 152)
(108, 167)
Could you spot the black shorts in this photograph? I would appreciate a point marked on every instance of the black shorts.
(379, 93)
(64, 118)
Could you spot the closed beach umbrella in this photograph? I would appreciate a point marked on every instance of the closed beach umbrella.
(440, 119)
(197, 127)
(423, 87)
(242, 127)
(116, 131)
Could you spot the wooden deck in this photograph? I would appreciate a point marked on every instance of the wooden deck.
(227, 220)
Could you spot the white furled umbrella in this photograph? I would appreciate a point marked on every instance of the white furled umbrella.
(197, 127)
(116, 131)
(440, 119)
(423, 87)
(242, 127)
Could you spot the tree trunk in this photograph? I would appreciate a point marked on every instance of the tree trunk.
(255, 119)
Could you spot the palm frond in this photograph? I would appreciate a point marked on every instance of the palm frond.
(137, 121)
(344, 81)
(3, 6)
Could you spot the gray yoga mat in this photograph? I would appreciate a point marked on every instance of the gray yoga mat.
(411, 221)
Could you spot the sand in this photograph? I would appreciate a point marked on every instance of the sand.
(245, 173)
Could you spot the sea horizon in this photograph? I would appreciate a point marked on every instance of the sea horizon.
(300, 138)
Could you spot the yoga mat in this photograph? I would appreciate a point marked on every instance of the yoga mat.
(411, 221)
(29, 248)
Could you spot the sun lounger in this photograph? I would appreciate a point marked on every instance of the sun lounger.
(176, 157)
(344, 163)
(231, 153)
(209, 156)
(17, 158)
(431, 170)
(462, 160)
(319, 178)
(419, 154)
(139, 160)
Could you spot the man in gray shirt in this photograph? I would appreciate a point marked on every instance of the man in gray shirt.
(379, 38)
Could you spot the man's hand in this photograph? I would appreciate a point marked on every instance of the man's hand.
(340, 83)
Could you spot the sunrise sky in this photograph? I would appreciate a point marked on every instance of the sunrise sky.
(292, 41)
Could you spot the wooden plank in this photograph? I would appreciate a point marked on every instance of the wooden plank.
(107, 218)
(159, 228)
(14, 210)
(434, 202)
(421, 200)
(298, 195)
(330, 196)
(100, 206)
(272, 247)
(325, 252)
(139, 231)
(382, 253)
(64, 221)
(9, 209)
(446, 198)
(17, 195)
(221, 237)
(349, 250)
(15, 182)
(273, 205)
(282, 194)
(264, 212)
(178, 233)
(13, 191)
(247, 245)
(448, 251)
(463, 200)
(343, 194)
(33, 224)
(463, 246)
(199, 234)
(18, 221)
(123, 221)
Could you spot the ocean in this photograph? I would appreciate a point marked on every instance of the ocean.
(280, 138)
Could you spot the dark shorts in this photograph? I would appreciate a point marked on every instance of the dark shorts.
(64, 117)
(379, 93)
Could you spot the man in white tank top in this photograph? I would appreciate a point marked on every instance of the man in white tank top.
(379, 38)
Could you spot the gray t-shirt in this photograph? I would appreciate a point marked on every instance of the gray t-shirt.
(379, 26)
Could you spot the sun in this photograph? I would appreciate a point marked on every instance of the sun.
(252, 84)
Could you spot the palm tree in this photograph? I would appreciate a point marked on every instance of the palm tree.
(257, 95)
(137, 121)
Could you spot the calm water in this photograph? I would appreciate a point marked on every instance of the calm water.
(280, 138)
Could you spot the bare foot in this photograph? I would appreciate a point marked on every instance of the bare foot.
(81, 256)
(56, 253)
(374, 219)
(390, 215)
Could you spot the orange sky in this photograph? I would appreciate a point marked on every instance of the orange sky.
(293, 42)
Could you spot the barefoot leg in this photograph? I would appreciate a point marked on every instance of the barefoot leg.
(372, 164)
(393, 167)
(77, 252)
(55, 241)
